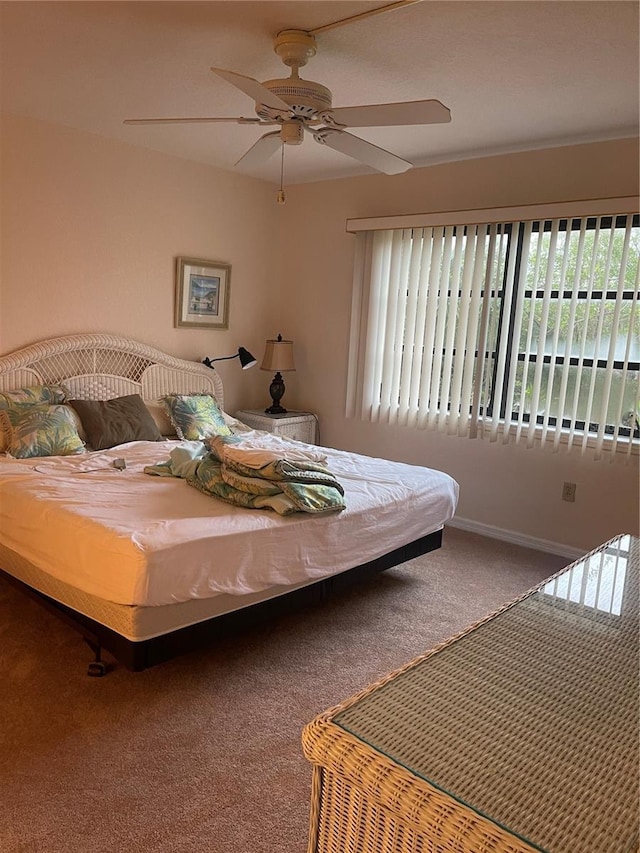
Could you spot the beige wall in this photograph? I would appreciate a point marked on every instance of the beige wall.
(504, 487)
(90, 229)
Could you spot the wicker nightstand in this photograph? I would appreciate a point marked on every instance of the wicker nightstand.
(301, 426)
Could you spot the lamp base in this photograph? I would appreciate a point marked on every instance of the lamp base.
(276, 389)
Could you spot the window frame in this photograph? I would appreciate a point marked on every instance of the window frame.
(513, 418)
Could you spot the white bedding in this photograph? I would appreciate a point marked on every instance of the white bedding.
(135, 539)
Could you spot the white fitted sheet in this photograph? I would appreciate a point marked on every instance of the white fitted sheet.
(131, 538)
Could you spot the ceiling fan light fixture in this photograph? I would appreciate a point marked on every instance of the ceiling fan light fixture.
(292, 133)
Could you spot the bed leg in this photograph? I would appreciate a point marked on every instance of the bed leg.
(97, 668)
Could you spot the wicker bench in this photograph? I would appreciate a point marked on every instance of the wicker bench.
(520, 734)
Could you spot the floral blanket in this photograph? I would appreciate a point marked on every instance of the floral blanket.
(230, 468)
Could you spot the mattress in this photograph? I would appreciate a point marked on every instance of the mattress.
(132, 539)
(134, 622)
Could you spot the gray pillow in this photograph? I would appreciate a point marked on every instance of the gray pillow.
(110, 422)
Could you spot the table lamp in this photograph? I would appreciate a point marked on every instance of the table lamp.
(278, 356)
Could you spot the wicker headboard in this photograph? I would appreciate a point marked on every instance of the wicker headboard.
(100, 367)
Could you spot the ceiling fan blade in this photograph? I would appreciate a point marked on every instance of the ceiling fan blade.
(204, 120)
(359, 149)
(259, 93)
(261, 150)
(384, 115)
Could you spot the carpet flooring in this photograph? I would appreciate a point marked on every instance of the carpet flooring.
(203, 753)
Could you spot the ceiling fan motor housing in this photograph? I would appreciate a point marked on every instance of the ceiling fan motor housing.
(305, 97)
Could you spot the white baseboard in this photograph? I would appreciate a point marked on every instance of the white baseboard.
(516, 538)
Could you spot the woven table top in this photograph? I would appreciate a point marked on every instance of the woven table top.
(530, 719)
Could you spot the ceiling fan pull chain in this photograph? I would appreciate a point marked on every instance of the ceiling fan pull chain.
(281, 198)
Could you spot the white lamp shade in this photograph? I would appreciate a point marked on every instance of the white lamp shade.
(278, 356)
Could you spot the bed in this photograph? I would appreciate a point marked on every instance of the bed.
(148, 567)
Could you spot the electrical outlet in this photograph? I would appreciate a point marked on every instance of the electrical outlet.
(569, 492)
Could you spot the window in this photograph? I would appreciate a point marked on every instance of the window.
(526, 329)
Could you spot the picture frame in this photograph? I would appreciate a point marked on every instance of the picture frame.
(202, 294)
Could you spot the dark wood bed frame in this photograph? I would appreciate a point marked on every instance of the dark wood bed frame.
(137, 656)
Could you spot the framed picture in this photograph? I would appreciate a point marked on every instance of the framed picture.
(202, 294)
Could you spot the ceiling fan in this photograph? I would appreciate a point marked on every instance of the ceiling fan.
(302, 107)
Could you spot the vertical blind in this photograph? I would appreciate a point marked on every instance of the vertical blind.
(424, 303)
(520, 329)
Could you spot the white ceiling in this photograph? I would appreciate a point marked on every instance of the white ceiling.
(516, 75)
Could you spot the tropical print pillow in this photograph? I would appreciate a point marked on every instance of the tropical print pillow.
(32, 394)
(41, 430)
(195, 416)
(50, 394)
